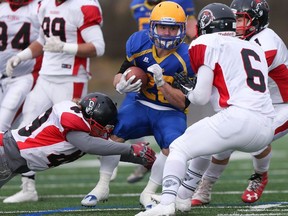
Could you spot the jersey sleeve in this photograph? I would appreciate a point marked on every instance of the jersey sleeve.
(197, 53)
(135, 42)
(72, 122)
(91, 16)
(130, 46)
(203, 51)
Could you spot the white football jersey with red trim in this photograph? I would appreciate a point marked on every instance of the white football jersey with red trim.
(43, 143)
(19, 28)
(66, 21)
(277, 57)
(240, 72)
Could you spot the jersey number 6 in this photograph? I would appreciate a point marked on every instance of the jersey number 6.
(252, 73)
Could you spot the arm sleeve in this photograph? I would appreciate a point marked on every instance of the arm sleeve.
(94, 35)
(97, 145)
(203, 89)
(125, 65)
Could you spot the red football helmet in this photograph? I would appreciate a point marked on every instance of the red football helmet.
(19, 2)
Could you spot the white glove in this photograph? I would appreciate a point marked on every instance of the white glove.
(125, 86)
(15, 60)
(11, 64)
(53, 44)
(157, 74)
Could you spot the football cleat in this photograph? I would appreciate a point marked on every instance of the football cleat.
(96, 195)
(156, 198)
(202, 195)
(27, 194)
(255, 188)
(138, 174)
(159, 210)
(183, 205)
(146, 200)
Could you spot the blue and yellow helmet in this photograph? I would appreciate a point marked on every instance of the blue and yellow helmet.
(171, 14)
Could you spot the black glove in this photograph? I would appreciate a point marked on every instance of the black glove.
(184, 83)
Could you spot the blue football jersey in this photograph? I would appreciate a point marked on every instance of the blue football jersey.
(142, 53)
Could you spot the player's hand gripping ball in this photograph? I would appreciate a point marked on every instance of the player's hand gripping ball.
(139, 74)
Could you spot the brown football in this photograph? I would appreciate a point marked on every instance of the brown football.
(139, 73)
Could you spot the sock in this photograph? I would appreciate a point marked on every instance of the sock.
(214, 172)
(157, 168)
(169, 189)
(156, 175)
(173, 174)
(29, 175)
(151, 187)
(262, 165)
(196, 169)
(109, 163)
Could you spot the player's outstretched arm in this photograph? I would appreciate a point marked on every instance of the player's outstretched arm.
(139, 153)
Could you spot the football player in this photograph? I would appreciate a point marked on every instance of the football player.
(68, 43)
(141, 10)
(237, 88)
(159, 109)
(252, 25)
(19, 28)
(64, 133)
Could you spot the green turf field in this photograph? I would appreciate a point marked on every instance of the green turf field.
(61, 190)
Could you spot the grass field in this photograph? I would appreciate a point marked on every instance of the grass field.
(61, 190)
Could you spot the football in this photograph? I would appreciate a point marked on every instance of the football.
(140, 74)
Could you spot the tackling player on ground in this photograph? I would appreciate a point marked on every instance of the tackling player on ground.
(63, 134)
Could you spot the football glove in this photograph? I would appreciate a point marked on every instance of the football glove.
(125, 86)
(157, 74)
(54, 44)
(16, 60)
(11, 64)
(142, 154)
(184, 83)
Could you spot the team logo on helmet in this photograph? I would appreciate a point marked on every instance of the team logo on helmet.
(90, 108)
(258, 10)
(206, 18)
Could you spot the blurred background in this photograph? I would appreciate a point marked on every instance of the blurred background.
(119, 25)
